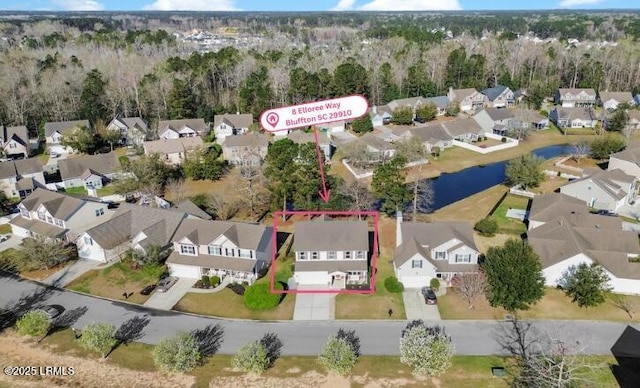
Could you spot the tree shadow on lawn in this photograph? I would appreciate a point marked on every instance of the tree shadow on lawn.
(130, 331)
(66, 320)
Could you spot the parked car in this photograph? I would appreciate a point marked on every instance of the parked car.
(166, 283)
(429, 296)
(148, 289)
(604, 212)
(51, 310)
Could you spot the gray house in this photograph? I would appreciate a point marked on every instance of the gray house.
(583, 117)
(248, 149)
(574, 98)
(231, 124)
(433, 136)
(89, 171)
(463, 129)
(234, 250)
(133, 129)
(611, 100)
(380, 115)
(301, 137)
(547, 207)
(331, 253)
(496, 120)
(441, 102)
(499, 96)
(607, 190)
(175, 129)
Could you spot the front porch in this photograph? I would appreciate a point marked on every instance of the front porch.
(232, 275)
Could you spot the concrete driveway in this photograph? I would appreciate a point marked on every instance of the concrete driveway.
(314, 306)
(72, 272)
(13, 242)
(416, 308)
(166, 300)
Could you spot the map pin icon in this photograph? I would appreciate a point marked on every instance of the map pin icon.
(272, 119)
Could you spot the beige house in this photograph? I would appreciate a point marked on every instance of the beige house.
(234, 250)
(611, 100)
(627, 161)
(131, 226)
(331, 253)
(433, 136)
(547, 207)
(468, 99)
(54, 132)
(231, 124)
(301, 137)
(175, 129)
(15, 142)
(248, 149)
(18, 178)
(173, 150)
(582, 117)
(463, 129)
(440, 250)
(57, 216)
(567, 241)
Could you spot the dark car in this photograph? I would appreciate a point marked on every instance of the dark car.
(52, 310)
(148, 289)
(429, 296)
(604, 212)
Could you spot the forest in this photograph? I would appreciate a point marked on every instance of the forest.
(95, 65)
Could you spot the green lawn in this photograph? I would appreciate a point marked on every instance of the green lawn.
(376, 305)
(8, 257)
(76, 190)
(106, 190)
(227, 304)
(465, 371)
(510, 225)
(5, 229)
(113, 281)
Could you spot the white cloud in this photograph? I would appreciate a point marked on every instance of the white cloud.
(413, 5)
(192, 5)
(79, 5)
(343, 5)
(573, 3)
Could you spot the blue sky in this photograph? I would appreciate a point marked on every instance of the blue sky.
(317, 5)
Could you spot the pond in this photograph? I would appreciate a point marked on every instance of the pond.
(449, 188)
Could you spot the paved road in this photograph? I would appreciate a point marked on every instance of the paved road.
(300, 338)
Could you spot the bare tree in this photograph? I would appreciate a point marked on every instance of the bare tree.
(470, 286)
(423, 197)
(176, 188)
(543, 359)
(359, 196)
(225, 207)
(580, 151)
(624, 303)
(254, 186)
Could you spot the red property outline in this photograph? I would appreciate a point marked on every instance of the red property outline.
(274, 251)
(312, 102)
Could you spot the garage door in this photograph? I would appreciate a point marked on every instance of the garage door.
(19, 231)
(184, 271)
(313, 277)
(414, 281)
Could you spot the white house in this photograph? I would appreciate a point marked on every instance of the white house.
(499, 96)
(574, 98)
(133, 129)
(18, 178)
(433, 250)
(583, 117)
(331, 253)
(175, 129)
(57, 216)
(332, 127)
(463, 129)
(240, 251)
(468, 99)
(496, 120)
(565, 242)
(89, 171)
(54, 132)
(131, 226)
(432, 136)
(15, 142)
(380, 115)
(231, 124)
(441, 102)
(611, 100)
(628, 161)
(173, 150)
(607, 190)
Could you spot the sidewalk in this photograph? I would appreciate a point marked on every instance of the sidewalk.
(72, 272)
